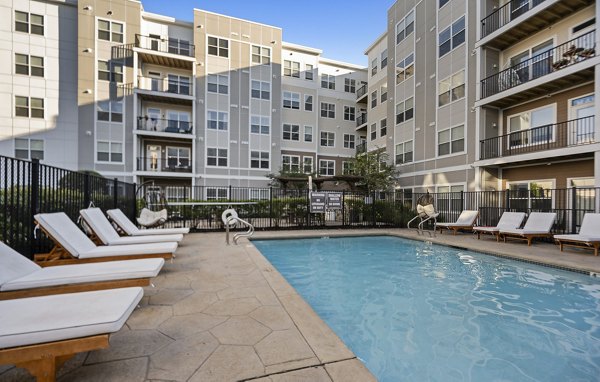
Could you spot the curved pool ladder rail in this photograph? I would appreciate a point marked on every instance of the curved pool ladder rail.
(232, 221)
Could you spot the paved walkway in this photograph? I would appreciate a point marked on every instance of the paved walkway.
(222, 313)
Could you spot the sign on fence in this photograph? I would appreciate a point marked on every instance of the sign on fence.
(317, 202)
(334, 201)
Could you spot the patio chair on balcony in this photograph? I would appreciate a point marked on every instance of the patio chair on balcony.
(425, 212)
(127, 228)
(465, 221)
(508, 220)
(588, 236)
(21, 277)
(41, 333)
(538, 225)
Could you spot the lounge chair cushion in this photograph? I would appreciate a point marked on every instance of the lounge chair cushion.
(578, 238)
(538, 223)
(85, 273)
(590, 225)
(126, 225)
(63, 230)
(53, 318)
(126, 250)
(13, 265)
(466, 219)
(508, 220)
(100, 225)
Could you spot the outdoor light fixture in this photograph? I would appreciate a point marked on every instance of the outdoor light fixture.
(109, 13)
(88, 50)
(88, 8)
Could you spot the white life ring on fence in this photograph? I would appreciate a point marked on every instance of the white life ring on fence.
(229, 213)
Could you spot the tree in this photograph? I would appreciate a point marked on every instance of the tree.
(375, 171)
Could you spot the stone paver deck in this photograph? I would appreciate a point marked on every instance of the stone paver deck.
(223, 313)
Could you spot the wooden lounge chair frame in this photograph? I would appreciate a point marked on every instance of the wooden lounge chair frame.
(43, 360)
(595, 245)
(529, 236)
(495, 234)
(58, 255)
(457, 228)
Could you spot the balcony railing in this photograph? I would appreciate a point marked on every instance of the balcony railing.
(169, 45)
(164, 125)
(155, 164)
(361, 148)
(559, 135)
(361, 119)
(169, 84)
(564, 55)
(505, 14)
(361, 91)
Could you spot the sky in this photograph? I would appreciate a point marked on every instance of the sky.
(343, 29)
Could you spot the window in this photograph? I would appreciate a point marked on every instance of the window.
(259, 159)
(307, 165)
(217, 120)
(451, 88)
(347, 168)
(452, 36)
(110, 31)
(450, 197)
(218, 47)
(216, 157)
(218, 83)
(179, 84)
(308, 133)
(451, 140)
(103, 71)
(327, 110)
(373, 99)
(349, 85)
(535, 195)
(261, 55)
(109, 151)
(29, 65)
(261, 90)
(328, 81)
(308, 74)
(326, 167)
(178, 122)
(291, 69)
(291, 100)
(29, 148)
(327, 139)
(404, 111)
(584, 25)
(383, 93)
(405, 68)
(308, 102)
(349, 141)
(374, 66)
(110, 111)
(117, 72)
(532, 127)
(373, 131)
(442, 3)
(404, 152)
(29, 23)
(29, 107)
(178, 158)
(290, 163)
(217, 193)
(260, 125)
(179, 46)
(291, 132)
(405, 27)
(384, 59)
(383, 127)
(349, 113)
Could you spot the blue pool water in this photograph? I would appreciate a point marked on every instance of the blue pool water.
(414, 311)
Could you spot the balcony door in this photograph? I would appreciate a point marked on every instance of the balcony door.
(155, 81)
(152, 119)
(152, 158)
(154, 42)
(533, 127)
(582, 111)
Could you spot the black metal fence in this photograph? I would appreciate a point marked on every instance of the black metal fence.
(27, 188)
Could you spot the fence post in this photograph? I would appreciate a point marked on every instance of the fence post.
(134, 200)
(307, 208)
(373, 209)
(115, 193)
(271, 207)
(343, 208)
(33, 202)
(574, 210)
(507, 201)
(229, 193)
(462, 200)
(86, 190)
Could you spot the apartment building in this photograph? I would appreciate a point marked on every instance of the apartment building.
(216, 101)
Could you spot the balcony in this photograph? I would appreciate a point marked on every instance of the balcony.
(361, 94)
(171, 89)
(518, 19)
(361, 148)
(361, 120)
(165, 52)
(158, 125)
(554, 63)
(571, 133)
(164, 165)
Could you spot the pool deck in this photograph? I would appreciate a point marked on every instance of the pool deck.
(223, 313)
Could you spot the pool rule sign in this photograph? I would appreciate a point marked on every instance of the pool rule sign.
(322, 201)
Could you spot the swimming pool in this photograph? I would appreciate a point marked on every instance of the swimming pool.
(414, 311)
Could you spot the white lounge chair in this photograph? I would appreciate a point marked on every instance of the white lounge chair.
(508, 220)
(538, 224)
(21, 277)
(128, 228)
(103, 233)
(588, 236)
(72, 246)
(466, 220)
(41, 333)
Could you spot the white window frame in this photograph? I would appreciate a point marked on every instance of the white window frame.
(311, 103)
(291, 68)
(111, 33)
(259, 121)
(554, 108)
(449, 84)
(221, 122)
(220, 83)
(349, 113)
(349, 141)
(403, 28)
(328, 137)
(400, 149)
(28, 149)
(290, 127)
(405, 68)
(450, 152)
(261, 159)
(327, 167)
(349, 85)
(329, 109)
(222, 51)
(217, 156)
(328, 81)
(262, 87)
(221, 193)
(293, 98)
(291, 163)
(306, 133)
(260, 57)
(305, 164)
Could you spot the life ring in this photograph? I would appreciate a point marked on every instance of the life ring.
(229, 213)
